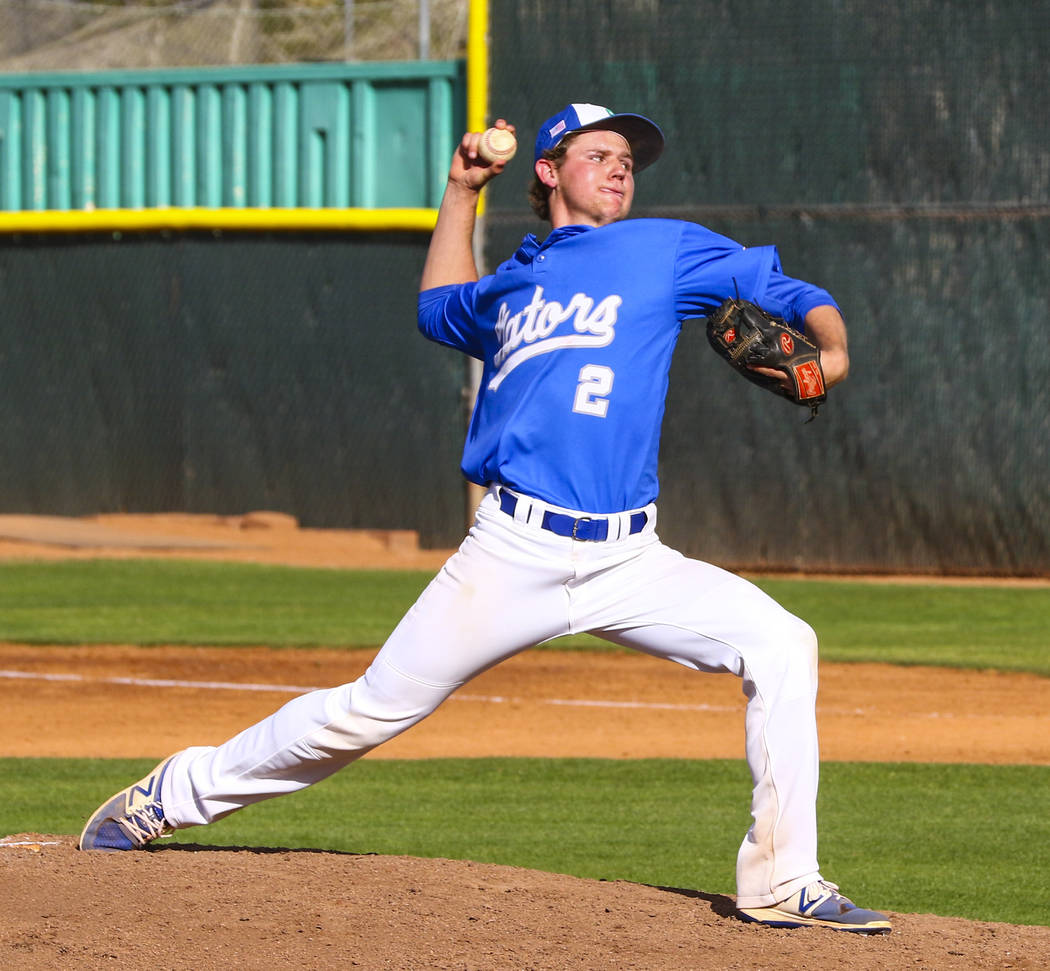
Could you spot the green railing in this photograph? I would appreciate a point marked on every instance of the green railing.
(292, 145)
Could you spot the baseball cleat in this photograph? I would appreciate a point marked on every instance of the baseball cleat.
(819, 905)
(130, 819)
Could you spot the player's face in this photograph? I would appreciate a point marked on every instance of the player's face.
(594, 185)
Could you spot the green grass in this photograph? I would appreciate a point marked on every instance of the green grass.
(186, 602)
(956, 626)
(955, 840)
(189, 602)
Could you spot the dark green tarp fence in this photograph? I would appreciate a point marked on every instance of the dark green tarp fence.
(220, 375)
(898, 154)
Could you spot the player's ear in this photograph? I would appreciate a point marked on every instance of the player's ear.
(547, 172)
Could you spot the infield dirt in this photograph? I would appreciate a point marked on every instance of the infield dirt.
(204, 908)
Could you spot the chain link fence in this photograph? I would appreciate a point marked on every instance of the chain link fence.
(103, 35)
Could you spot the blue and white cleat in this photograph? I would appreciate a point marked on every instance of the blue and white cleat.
(130, 819)
(819, 905)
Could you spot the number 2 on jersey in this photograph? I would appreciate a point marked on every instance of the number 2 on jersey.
(592, 394)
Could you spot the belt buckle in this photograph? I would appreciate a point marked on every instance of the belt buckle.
(576, 524)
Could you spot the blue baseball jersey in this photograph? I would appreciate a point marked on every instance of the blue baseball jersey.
(576, 335)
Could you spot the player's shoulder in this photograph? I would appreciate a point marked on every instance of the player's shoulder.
(672, 230)
(652, 224)
(647, 230)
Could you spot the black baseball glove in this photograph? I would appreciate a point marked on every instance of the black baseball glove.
(746, 336)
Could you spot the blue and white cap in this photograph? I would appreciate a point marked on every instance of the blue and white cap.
(644, 137)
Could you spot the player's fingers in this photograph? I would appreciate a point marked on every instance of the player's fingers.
(468, 167)
(774, 373)
(468, 148)
(468, 145)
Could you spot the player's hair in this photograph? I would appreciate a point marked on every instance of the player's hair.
(540, 194)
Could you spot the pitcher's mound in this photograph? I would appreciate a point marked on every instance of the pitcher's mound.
(202, 908)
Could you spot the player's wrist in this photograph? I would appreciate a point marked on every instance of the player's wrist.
(835, 365)
(462, 189)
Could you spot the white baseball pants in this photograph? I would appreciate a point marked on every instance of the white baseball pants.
(513, 584)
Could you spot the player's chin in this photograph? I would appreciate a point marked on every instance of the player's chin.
(614, 207)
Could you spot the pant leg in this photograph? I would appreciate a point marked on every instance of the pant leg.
(711, 620)
(503, 591)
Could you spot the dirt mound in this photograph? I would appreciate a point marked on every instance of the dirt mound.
(201, 908)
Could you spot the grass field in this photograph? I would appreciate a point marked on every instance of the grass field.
(186, 602)
(946, 839)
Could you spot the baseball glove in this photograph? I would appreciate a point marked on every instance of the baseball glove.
(745, 335)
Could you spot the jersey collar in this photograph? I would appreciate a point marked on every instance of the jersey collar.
(531, 246)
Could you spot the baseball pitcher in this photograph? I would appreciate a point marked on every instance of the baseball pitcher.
(575, 334)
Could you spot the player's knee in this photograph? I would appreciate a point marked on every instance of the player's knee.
(381, 704)
(782, 657)
(804, 638)
(799, 645)
(788, 636)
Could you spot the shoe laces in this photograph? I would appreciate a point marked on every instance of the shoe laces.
(817, 897)
(145, 824)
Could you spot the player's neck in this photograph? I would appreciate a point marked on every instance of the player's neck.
(566, 218)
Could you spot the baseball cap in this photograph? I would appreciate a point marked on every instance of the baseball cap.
(644, 137)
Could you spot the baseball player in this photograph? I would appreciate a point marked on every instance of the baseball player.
(575, 334)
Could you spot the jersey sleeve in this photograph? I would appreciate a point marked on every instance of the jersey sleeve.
(445, 315)
(792, 299)
(710, 268)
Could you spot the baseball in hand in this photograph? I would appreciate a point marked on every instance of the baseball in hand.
(497, 145)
